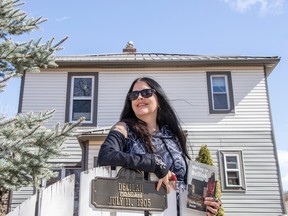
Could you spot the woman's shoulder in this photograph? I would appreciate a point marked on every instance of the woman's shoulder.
(121, 127)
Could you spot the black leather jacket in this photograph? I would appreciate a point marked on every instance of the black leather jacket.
(113, 152)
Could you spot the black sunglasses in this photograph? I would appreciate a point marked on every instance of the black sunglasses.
(146, 93)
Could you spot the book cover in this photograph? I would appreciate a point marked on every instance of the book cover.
(201, 181)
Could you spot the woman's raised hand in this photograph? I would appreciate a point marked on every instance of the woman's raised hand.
(165, 181)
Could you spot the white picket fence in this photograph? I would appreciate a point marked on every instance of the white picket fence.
(55, 200)
(58, 199)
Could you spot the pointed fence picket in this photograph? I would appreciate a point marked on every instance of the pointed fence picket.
(55, 200)
(27, 208)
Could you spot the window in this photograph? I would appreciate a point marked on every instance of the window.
(82, 97)
(95, 162)
(232, 170)
(220, 92)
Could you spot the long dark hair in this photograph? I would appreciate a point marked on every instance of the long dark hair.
(165, 117)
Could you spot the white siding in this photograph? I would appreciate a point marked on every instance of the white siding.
(262, 195)
(188, 95)
(186, 90)
(46, 91)
(72, 151)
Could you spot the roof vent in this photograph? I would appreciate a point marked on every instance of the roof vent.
(129, 48)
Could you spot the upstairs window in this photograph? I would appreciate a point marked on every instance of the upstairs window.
(220, 92)
(232, 170)
(81, 97)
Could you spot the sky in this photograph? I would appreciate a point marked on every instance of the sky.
(206, 27)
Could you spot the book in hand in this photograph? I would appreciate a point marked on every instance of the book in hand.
(201, 181)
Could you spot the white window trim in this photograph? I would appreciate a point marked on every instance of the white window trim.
(223, 170)
(81, 98)
(232, 170)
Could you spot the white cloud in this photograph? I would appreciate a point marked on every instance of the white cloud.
(265, 6)
(63, 18)
(283, 161)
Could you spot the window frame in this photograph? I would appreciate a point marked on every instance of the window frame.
(81, 98)
(223, 154)
(229, 92)
(95, 161)
(93, 98)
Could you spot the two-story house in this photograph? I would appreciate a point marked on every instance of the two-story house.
(222, 101)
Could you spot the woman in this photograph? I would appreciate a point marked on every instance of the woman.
(149, 138)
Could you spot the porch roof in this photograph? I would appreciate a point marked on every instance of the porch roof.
(93, 134)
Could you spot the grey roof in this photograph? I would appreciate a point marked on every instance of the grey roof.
(128, 60)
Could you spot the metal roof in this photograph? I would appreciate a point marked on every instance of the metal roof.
(128, 60)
